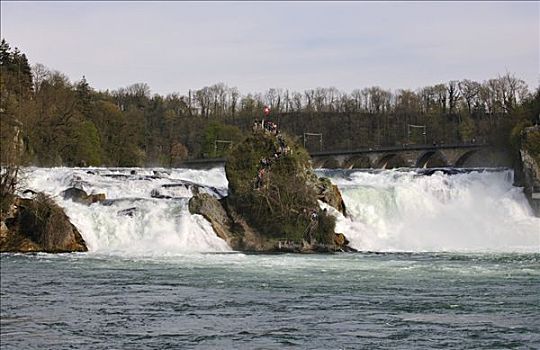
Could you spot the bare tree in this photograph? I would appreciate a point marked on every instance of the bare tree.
(287, 101)
(297, 101)
(334, 97)
(441, 96)
(203, 99)
(356, 96)
(39, 75)
(513, 91)
(234, 96)
(310, 96)
(453, 95)
(469, 90)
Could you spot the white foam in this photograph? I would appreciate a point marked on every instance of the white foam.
(156, 227)
(388, 211)
(402, 211)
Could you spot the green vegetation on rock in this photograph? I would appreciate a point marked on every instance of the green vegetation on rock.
(531, 144)
(283, 206)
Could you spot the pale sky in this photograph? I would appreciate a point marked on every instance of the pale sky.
(176, 46)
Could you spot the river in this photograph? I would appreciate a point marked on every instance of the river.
(447, 259)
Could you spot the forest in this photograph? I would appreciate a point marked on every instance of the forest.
(48, 120)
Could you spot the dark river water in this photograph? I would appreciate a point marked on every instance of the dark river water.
(238, 301)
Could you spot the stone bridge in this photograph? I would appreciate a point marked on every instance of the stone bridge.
(412, 156)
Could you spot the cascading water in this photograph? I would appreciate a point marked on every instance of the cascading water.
(131, 221)
(146, 210)
(407, 211)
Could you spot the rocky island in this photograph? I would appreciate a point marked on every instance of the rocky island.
(273, 199)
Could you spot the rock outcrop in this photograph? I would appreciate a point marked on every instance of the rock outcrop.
(228, 224)
(213, 211)
(39, 225)
(172, 190)
(528, 170)
(329, 193)
(272, 202)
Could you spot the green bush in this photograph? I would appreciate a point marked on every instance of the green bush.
(532, 145)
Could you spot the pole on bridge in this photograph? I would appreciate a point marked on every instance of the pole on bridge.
(314, 134)
(411, 126)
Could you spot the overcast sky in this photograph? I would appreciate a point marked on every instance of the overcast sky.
(176, 46)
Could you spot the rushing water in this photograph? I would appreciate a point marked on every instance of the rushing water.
(449, 261)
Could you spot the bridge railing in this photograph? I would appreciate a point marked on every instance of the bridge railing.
(404, 147)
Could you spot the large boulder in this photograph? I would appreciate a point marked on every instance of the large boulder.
(213, 211)
(39, 225)
(78, 195)
(273, 199)
(228, 224)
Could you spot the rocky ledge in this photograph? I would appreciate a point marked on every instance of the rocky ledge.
(528, 169)
(272, 203)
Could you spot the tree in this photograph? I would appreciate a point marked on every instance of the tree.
(453, 95)
(177, 154)
(39, 74)
(217, 131)
(235, 94)
(203, 98)
(87, 147)
(71, 123)
(5, 53)
(469, 90)
(84, 96)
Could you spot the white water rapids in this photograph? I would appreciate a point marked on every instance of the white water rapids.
(388, 210)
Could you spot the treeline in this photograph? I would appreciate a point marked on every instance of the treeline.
(58, 122)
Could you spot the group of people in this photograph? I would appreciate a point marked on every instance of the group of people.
(265, 125)
(264, 166)
(265, 162)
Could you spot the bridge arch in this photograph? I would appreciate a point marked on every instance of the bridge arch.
(391, 160)
(484, 157)
(464, 158)
(326, 163)
(431, 159)
(357, 162)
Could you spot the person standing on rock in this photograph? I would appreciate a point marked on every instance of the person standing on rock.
(260, 178)
(312, 225)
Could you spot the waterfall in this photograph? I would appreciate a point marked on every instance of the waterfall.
(146, 212)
